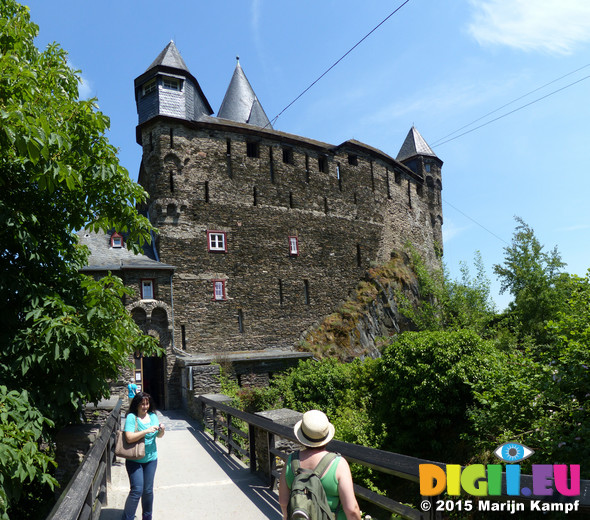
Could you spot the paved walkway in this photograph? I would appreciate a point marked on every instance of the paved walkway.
(195, 479)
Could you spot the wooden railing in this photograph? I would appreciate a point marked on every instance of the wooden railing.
(86, 492)
(221, 415)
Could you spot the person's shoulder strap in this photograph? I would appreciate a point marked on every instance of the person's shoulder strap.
(323, 464)
(295, 464)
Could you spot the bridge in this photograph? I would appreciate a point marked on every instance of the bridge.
(197, 477)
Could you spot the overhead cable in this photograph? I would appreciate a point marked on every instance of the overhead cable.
(510, 103)
(511, 112)
(338, 61)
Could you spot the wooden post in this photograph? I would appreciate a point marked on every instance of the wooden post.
(252, 446)
(229, 434)
(214, 423)
(272, 463)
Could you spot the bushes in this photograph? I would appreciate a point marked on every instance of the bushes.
(425, 389)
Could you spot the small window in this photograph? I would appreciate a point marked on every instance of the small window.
(353, 160)
(427, 167)
(171, 83)
(216, 240)
(240, 321)
(293, 246)
(287, 156)
(323, 164)
(219, 290)
(116, 240)
(149, 87)
(252, 150)
(147, 289)
(306, 296)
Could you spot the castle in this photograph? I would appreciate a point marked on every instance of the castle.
(261, 233)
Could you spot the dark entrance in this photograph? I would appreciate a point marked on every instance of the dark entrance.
(153, 379)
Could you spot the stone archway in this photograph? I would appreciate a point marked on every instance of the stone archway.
(153, 373)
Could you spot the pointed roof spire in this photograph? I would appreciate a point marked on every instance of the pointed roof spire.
(240, 103)
(169, 57)
(170, 62)
(414, 145)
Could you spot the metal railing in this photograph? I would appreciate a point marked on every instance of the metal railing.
(395, 464)
(86, 492)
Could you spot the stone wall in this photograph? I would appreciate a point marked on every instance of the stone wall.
(348, 207)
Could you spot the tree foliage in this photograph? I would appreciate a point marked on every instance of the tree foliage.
(426, 380)
(448, 304)
(21, 461)
(535, 279)
(58, 174)
(63, 334)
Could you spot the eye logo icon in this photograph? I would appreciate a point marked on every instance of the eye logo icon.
(513, 452)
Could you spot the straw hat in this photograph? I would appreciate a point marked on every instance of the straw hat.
(314, 430)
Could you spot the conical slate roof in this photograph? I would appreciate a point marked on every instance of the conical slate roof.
(169, 57)
(414, 145)
(240, 103)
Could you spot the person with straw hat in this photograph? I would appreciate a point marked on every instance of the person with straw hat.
(315, 431)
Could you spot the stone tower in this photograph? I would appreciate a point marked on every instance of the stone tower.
(267, 232)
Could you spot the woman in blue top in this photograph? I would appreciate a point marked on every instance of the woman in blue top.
(142, 421)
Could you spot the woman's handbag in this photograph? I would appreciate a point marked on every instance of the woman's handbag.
(129, 450)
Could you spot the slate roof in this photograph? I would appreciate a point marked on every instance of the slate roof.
(240, 103)
(103, 257)
(414, 145)
(169, 57)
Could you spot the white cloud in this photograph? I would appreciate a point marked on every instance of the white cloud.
(84, 88)
(451, 230)
(553, 26)
(579, 227)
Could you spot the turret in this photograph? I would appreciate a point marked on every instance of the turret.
(167, 88)
(240, 103)
(419, 157)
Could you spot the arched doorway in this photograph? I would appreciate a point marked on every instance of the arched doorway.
(153, 379)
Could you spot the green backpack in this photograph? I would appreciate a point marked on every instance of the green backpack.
(307, 500)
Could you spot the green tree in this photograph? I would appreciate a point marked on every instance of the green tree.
(449, 304)
(425, 390)
(536, 281)
(63, 334)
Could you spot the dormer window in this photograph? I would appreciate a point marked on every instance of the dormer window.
(293, 246)
(149, 87)
(171, 83)
(116, 240)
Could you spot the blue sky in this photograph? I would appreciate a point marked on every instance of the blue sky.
(437, 65)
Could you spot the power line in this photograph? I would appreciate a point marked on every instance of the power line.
(510, 103)
(512, 111)
(475, 221)
(500, 117)
(338, 61)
